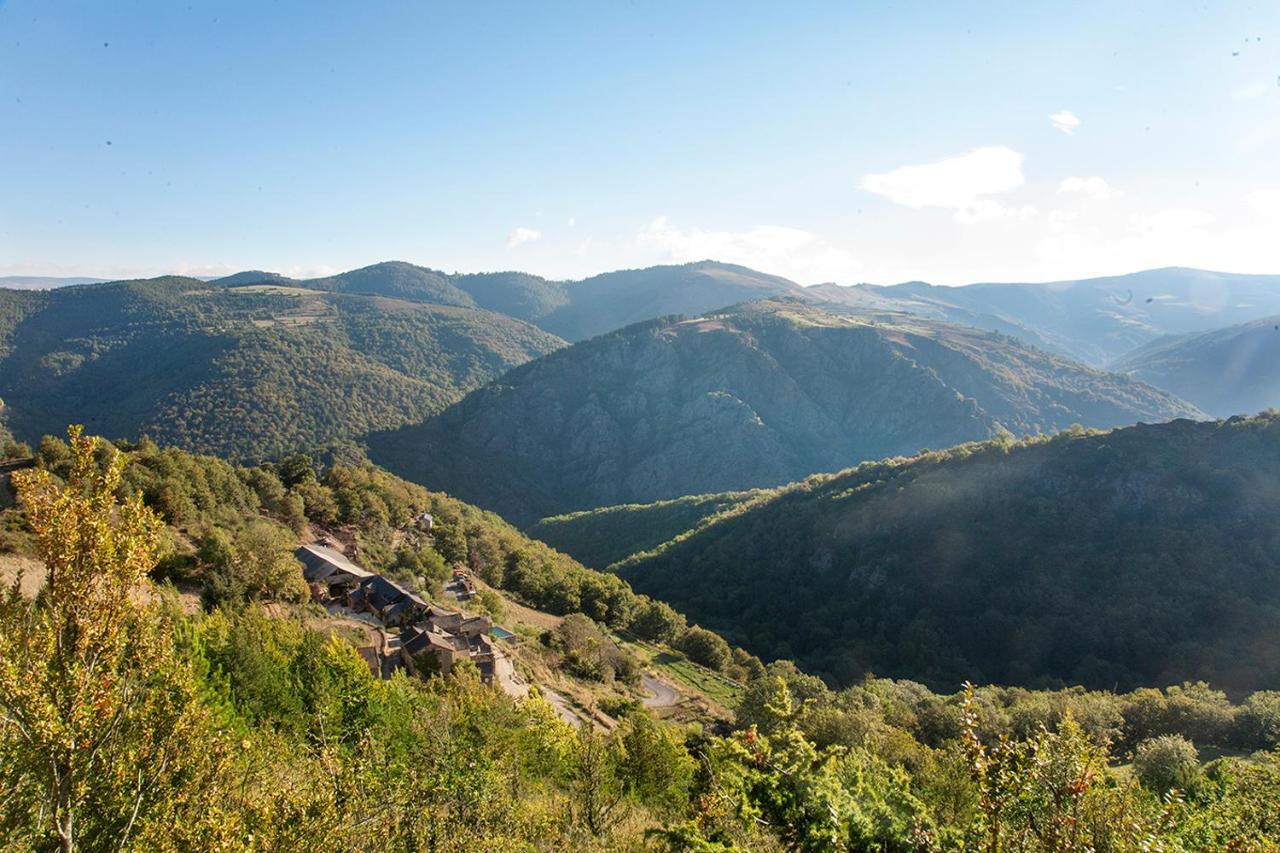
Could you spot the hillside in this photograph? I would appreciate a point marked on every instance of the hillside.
(245, 372)
(1143, 555)
(610, 301)
(1092, 320)
(602, 537)
(396, 279)
(1225, 372)
(280, 713)
(753, 396)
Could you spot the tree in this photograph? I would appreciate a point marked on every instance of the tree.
(597, 790)
(656, 621)
(654, 766)
(97, 711)
(257, 563)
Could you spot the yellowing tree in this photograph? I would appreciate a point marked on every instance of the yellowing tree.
(97, 717)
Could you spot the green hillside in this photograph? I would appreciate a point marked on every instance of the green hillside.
(753, 396)
(1228, 371)
(245, 372)
(1142, 555)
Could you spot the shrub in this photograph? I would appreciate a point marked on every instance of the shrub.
(1166, 762)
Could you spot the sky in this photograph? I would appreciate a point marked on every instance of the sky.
(844, 142)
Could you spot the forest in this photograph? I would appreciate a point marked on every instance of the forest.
(247, 372)
(1140, 556)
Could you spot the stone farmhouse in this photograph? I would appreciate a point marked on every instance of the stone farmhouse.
(426, 639)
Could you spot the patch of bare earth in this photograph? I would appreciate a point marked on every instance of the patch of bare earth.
(32, 571)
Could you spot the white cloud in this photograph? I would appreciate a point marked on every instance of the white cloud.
(779, 249)
(522, 235)
(1169, 226)
(1251, 91)
(1065, 121)
(1266, 202)
(962, 184)
(1092, 187)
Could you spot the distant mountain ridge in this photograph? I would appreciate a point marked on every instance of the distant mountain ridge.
(1094, 320)
(1228, 371)
(573, 310)
(755, 395)
(43, 282)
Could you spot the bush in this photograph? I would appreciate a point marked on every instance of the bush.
(1166, 762)
(1259, 721)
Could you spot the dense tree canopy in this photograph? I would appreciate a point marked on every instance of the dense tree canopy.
(1145, 555)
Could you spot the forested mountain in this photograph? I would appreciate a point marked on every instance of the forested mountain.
(1093, 320)
(1225, 372)
(1143, 555)
(573, 310)
(244, 372)
(397, 279)
(757, 395)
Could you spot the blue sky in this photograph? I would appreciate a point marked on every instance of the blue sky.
(827, 142)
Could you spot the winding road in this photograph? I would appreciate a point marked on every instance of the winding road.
(663, 694)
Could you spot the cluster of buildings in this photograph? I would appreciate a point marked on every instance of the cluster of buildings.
(416, 636)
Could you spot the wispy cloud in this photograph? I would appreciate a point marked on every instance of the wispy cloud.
(1092, 187)
(521, 235)
(787, 251)
(1065, 121)
(962, 184)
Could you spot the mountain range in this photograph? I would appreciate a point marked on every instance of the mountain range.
(573, 310)
(1096, 320)
(43, 282)
(755, 395)
(1138, 556)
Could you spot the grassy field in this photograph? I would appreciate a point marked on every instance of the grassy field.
(280, 289)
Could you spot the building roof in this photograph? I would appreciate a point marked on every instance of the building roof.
(319, 563)
(380, 592)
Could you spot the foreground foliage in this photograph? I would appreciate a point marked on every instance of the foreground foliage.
(128, 725)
